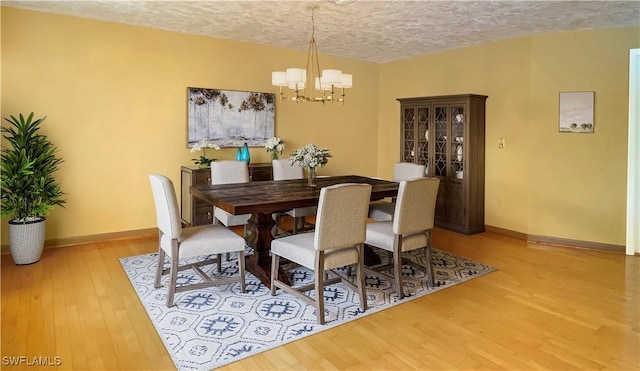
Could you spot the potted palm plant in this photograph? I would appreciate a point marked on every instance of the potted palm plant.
(29, 190)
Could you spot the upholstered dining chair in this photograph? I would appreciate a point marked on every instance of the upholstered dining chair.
(228, 172)
(282, 170)
(411, 227)
(383, 210)
(178, 243)
(337, 241)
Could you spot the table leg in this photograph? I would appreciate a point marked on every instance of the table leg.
(259, 237)
(370, 256)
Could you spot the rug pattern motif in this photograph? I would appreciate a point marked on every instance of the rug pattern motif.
(211, 327)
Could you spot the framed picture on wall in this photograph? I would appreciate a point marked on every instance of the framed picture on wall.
(576, 112)
(230, 118)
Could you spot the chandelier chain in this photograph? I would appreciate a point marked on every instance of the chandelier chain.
(313, 23)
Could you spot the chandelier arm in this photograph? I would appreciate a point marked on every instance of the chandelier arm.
(315, 50)
(312, 50)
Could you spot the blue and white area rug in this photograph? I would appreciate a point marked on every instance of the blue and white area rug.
(211, 327)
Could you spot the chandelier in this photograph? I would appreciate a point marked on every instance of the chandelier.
(324, 83)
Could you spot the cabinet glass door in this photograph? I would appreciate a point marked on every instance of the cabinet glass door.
(440, 158)
(408, 134)
(458, 118)
(423, 137)
(456, 190)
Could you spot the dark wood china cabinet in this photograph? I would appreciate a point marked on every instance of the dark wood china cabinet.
(447, 135)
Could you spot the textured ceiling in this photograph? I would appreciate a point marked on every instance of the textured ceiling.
(375, 31)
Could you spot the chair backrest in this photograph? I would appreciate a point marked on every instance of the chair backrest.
(283, 171)
(167, 213)
(407, 170)
(229, 171)
(415, 205)
(342, 216)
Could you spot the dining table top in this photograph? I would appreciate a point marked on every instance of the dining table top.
(281, 195)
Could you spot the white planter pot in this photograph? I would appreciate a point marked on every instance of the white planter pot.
(27, 241)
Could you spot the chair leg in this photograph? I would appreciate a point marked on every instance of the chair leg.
(275, 265)
(171, 290)
(220, 263)
(161, 257)
(397, 265)
(431, 280)
(319, 286)
(275, 229)
(295, 225)
(360, 278)
(320, 296)
(241, 267)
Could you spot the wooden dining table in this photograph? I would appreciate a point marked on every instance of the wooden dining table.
(263, 198)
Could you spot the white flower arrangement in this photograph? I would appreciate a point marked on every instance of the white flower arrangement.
(202, 146)
(275, 144)
(310, 156)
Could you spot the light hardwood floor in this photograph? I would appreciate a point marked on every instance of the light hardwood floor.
(545, 308)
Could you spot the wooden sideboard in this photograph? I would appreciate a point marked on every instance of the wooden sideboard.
(197, 212)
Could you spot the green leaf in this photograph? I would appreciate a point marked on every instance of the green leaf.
(29, 162)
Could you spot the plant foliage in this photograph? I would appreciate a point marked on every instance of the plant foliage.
(29, 190)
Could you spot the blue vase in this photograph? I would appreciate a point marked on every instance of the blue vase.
(239, 155)
(245, 153)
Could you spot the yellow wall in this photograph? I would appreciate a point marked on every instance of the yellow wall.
(115, 101)
(544, 183)
(115, 97)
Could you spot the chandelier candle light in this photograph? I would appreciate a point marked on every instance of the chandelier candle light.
(322, 90)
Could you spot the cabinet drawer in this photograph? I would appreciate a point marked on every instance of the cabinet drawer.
(203, 213)
(202, 177)
(260, 172)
